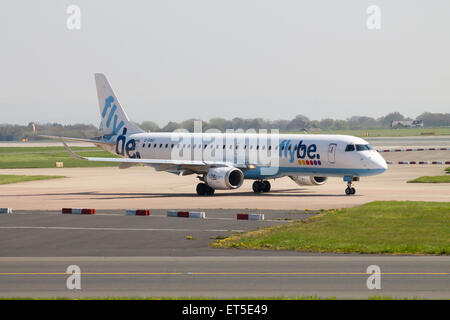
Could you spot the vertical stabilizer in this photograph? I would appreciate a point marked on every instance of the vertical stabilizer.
(113, 118)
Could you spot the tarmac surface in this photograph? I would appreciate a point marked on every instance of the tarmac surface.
(112, 233)
(142, 187)
(151, 256)
(127, 256)
(227, 276)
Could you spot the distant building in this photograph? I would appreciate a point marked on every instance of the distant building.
(407, 124)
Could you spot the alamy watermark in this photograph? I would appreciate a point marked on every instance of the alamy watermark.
(373, 21)
(238, 147)
(73, 21)
(73, 282)
(374, 280)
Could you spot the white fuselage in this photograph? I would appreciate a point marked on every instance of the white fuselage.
(262, 155)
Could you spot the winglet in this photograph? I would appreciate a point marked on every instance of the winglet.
(72, 154)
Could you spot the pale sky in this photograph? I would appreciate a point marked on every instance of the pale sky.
(171, 60)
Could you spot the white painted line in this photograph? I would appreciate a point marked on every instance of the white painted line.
(118, 229)
(154, 215)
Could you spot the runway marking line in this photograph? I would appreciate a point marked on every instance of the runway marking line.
(153, 216)
(223, 273)
(119, 229)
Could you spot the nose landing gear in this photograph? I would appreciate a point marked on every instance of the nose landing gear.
(350, 190)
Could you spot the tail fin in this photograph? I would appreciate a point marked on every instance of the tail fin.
(114, 119)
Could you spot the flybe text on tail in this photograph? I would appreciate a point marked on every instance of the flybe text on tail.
(112, 113)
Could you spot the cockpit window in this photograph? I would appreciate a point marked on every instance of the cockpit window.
(363, 147)
(350, 147)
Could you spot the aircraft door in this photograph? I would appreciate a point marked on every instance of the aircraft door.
(332, 152)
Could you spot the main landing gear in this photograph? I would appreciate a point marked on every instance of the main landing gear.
(261, 186)
(204, 190)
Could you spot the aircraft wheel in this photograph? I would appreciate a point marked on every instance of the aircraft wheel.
(348, 191)
(204, 190)
(353, 190)
(266, 186)
(201, 189)
(209, 191)
(257, 187)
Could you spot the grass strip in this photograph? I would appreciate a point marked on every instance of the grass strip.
(431, 179)
(9, 178)
(380, 227)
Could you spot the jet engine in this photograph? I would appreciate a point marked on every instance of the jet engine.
(224, 178)
(309, 181)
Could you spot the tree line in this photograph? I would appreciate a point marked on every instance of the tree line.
(10, 132)
(302, 123)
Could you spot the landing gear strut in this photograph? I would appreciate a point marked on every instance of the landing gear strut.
(261, 186)
(204, 190)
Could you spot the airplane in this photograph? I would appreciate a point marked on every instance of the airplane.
(222, 161)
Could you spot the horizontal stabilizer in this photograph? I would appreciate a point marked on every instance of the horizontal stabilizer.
(93, 141)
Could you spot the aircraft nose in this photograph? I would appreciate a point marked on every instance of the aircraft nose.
(380, 163)
(377, 162)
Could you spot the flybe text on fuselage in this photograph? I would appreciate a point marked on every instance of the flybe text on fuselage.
(299, 150)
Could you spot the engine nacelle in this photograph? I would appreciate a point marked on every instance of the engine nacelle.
(224, 178)
(309, 181)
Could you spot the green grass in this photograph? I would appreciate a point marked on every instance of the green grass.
(431, 179)
(5, 179)
(46, 157)
(390, 227)
(404, 132)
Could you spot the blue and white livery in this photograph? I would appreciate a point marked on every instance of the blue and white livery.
(224, 160)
